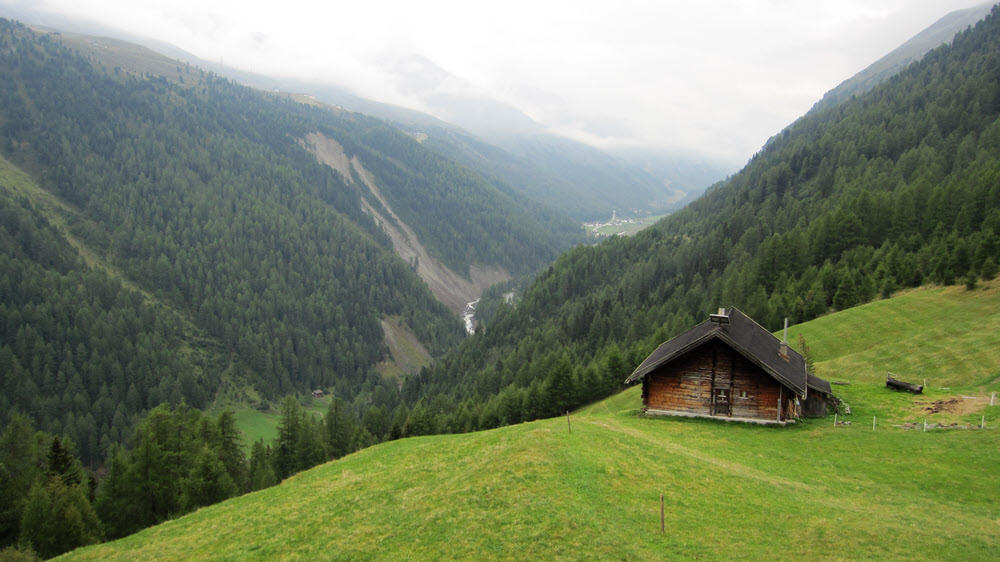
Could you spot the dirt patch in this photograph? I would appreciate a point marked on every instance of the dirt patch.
(406, 350)
(329, 152)
(956, 405)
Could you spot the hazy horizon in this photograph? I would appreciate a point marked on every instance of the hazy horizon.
(715, 79)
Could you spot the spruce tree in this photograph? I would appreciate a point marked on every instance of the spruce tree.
(57, 518)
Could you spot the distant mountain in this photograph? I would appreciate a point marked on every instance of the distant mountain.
(582, 180)
(568, 176)
(941, 32)
(686, 176)
(454, 100)
(565, 175)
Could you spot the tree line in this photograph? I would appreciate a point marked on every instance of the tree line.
(177, 460)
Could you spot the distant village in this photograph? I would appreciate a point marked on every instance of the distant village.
(616, 226)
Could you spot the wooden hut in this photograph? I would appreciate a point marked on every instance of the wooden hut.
(727, 367)
(819, 399)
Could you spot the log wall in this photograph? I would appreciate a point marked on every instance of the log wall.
(687, 385)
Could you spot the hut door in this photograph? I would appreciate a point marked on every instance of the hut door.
(721, 402)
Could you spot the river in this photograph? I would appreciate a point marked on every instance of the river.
(469, 316)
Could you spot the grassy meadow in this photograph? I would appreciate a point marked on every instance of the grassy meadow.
(730, 490)
(257, 425)
(946, 336)
(539, 490)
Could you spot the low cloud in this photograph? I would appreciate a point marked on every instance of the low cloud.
(714, 77)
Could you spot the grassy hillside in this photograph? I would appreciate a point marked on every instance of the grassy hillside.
(945, 337)
(948, 336)
(536, 490)
(730, 490)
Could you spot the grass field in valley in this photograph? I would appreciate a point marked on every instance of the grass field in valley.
(730, 490)
(257, 425)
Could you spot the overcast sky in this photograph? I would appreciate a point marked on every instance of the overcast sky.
(710, 76)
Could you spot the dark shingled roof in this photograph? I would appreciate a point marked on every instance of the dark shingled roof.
(747, 337)
(821, 385)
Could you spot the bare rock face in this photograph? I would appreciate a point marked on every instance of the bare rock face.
(454, 290)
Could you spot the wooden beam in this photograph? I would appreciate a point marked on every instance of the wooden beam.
(714, 359)
(781, 390)
(732, 378)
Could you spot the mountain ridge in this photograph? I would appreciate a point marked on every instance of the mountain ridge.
(939, 33)
(585, 197)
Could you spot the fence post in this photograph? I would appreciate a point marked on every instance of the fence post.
(662, 527)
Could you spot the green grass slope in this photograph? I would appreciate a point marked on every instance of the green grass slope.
(948, 336)
(730, 490)
(537, 490)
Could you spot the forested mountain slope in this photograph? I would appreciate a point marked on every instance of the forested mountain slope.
(504, 207)
(897, 188)
(218, 248)
(562, 177)
(561, 174)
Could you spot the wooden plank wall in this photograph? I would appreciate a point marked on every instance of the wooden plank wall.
(686, 383)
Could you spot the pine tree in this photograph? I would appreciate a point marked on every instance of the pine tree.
(57, 518)
(116, 501)
(989, 269)
(398, 428)
(21, 466)
(846, 295)
(62, 463)
(340, 428)
(261, 470)
(289, 430)
(207, 483)
(229, 446)
(561, 389)
(420, 421)
(309, 449)
(807, 354)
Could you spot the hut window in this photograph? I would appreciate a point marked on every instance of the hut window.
(743, 396)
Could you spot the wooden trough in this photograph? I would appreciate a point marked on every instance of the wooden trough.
(896, 384)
